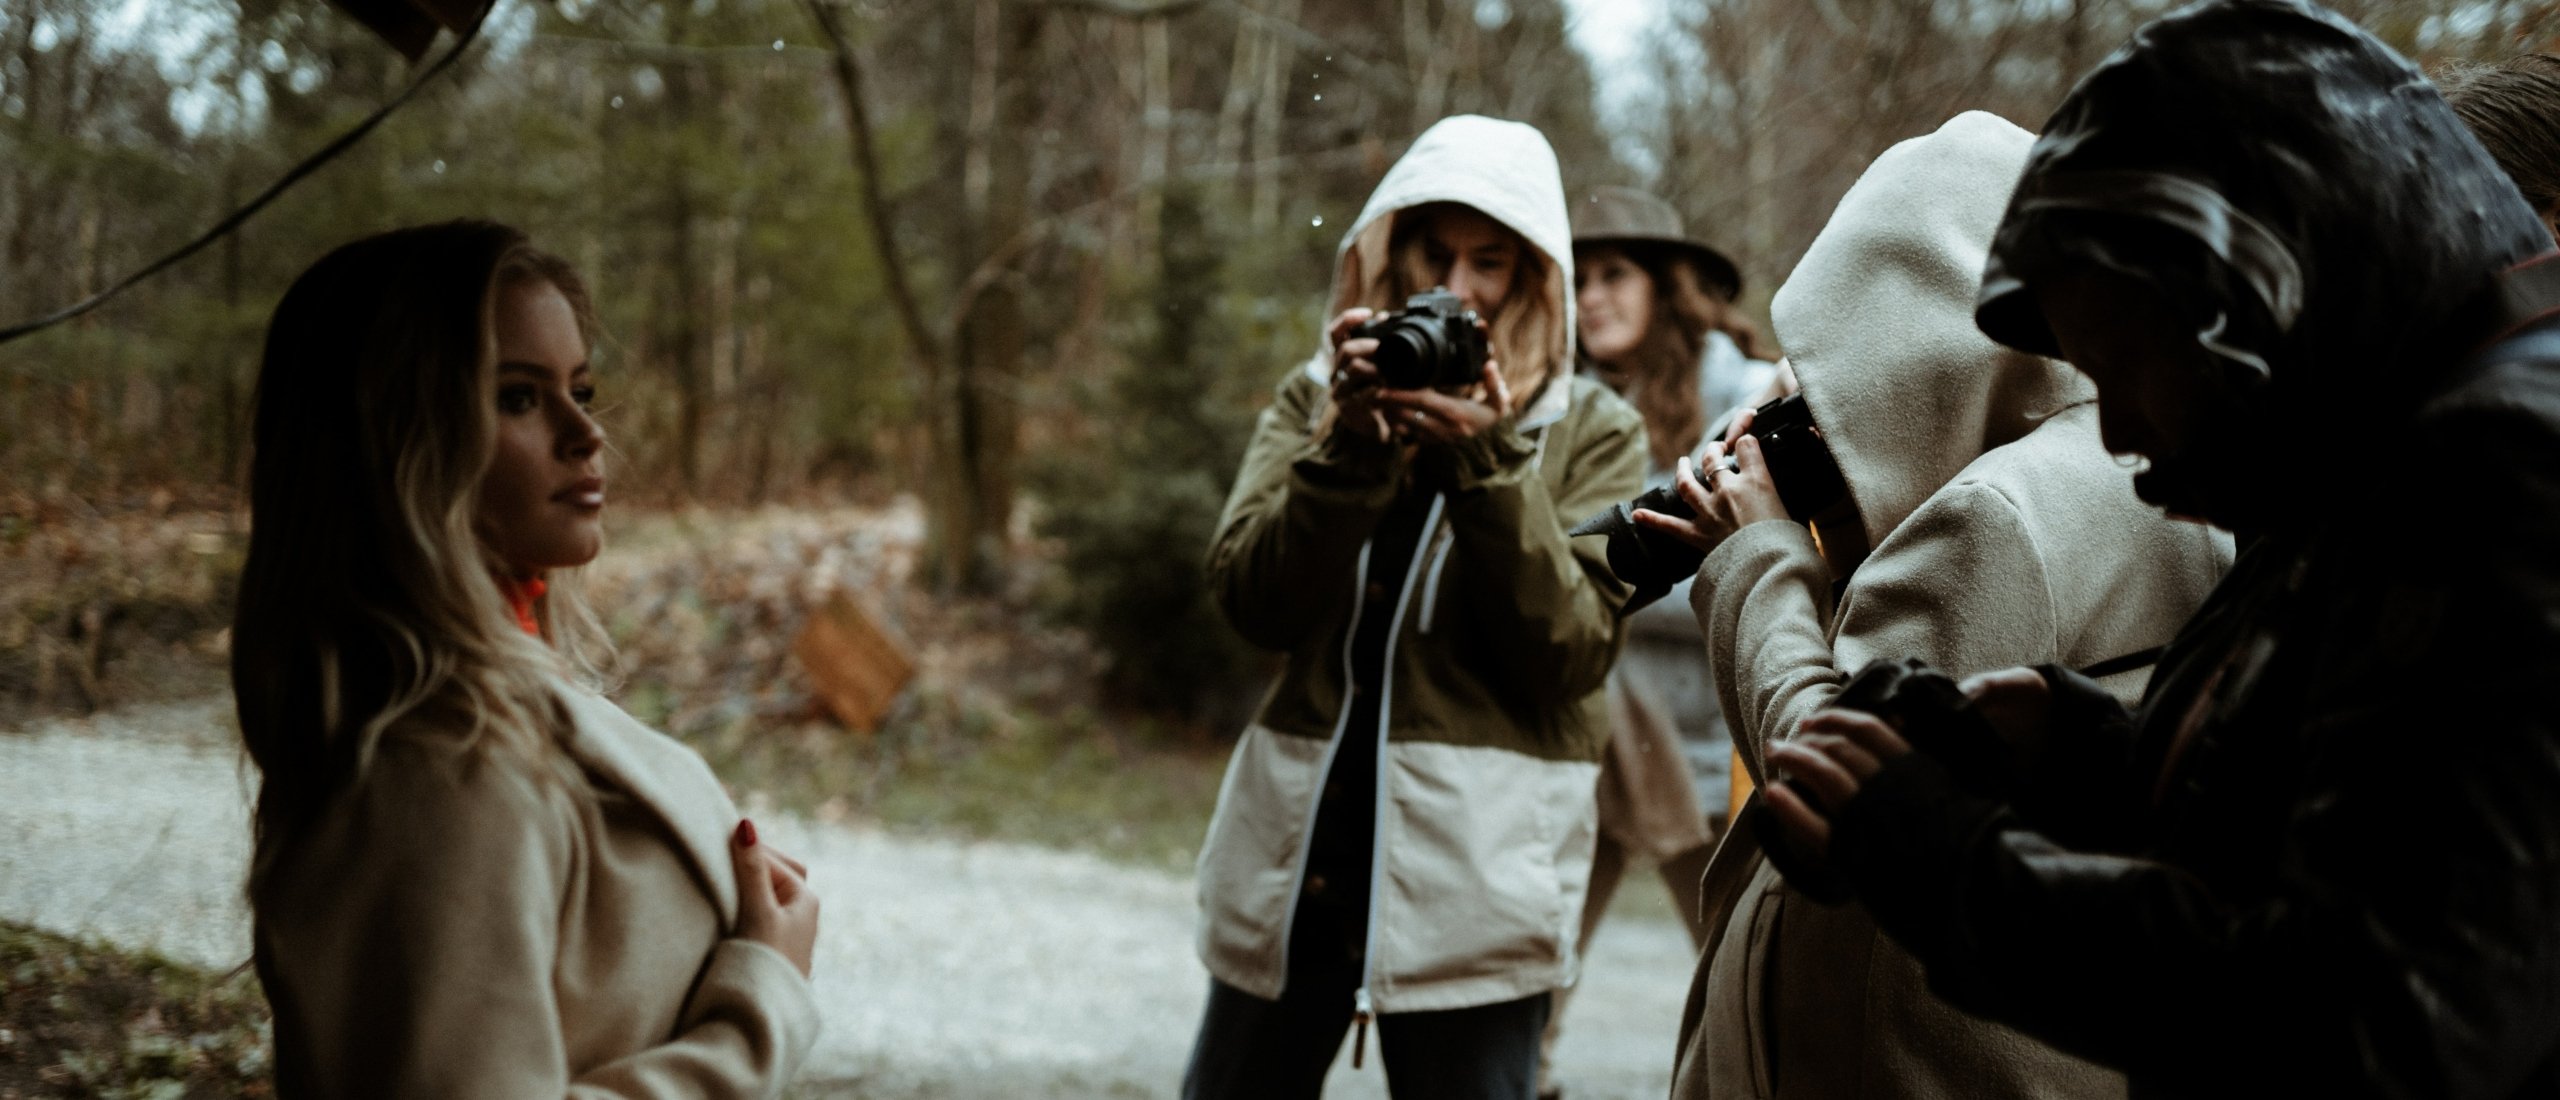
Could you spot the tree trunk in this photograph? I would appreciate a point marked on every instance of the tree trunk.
(683, 339)
(1244, 75)
(235, 426)
(1155, 136)
(943, 474)
(951, 509)
(993, 334)
(1427, 59)
(1278, 56)
(2075, 47)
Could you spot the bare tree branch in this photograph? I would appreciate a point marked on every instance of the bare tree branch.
(998, 265)
(866, 155)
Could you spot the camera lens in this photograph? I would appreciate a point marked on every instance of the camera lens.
(1405, 357)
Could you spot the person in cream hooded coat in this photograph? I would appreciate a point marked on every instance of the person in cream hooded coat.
(1406, 829)
(2003, 535)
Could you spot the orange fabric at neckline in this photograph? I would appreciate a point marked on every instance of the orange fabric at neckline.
(521, 593)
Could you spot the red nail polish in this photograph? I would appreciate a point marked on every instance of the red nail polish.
(746, 833)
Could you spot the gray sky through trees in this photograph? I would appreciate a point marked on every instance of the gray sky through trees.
(1617, 35)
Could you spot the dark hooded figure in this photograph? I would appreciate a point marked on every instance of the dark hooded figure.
(2323, 858)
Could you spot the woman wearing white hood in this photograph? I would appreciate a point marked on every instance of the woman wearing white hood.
(1406, 828)
(2003, 535)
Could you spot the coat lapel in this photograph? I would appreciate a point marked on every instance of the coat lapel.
(666, 777)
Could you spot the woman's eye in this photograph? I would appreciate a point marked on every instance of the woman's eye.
(517, 399)
(585, 396)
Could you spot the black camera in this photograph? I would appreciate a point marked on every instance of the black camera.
(1433, 342)
(1808, 482)
(1938, 721)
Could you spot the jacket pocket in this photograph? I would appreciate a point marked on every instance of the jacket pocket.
(1247, 875)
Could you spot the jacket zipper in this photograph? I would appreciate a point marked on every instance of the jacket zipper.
(1361, 1009)
(1359, 1024)
(1324, 766)
(1431, 585)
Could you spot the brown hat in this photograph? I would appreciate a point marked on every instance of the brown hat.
(1625, 215)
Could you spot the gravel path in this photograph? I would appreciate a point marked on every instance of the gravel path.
(947, 968)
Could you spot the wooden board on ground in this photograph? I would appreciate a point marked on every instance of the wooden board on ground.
(856, 660)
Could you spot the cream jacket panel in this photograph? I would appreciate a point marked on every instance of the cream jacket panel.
(1247, 873)
(1509, 834)
(456, 925)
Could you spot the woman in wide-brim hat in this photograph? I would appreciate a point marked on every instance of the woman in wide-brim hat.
(1658, 320)
(1658, 324)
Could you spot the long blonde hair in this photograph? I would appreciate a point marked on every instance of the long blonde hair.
(1527, 331)
(367, 599)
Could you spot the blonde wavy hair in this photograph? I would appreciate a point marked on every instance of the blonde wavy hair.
(368, 601)
(1527, 331)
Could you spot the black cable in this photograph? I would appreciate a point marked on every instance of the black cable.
(234, 220)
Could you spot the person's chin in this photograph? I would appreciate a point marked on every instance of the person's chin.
(575, 547)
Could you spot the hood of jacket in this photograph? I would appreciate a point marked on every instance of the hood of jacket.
(1878, 322)
(2301, 192)
(1504, 169)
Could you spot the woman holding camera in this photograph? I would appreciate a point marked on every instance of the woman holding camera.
(1405, 829)
(474, 876)
(1658, 325)
(2001, 534)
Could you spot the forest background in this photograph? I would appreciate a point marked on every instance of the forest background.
(965, 305)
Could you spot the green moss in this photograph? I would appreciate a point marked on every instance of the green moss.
(83, 1019)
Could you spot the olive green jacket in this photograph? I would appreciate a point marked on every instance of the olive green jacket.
(1492, 713)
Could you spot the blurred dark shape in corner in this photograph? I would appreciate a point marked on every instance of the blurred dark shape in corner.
(410, 26)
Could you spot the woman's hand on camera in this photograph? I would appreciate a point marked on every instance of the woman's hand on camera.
(1833, 753)
(1355, 378)
(1724, 502)
(1434, 416)
(775, 905)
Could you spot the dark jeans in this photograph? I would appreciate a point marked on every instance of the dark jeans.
(1253, 1049)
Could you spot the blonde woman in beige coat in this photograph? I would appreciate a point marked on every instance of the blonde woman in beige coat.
(2003, 535)
(473, 876)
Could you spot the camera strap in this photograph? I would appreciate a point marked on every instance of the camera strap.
(2140, 658)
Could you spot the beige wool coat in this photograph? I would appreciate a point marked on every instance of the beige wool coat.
(2003, 534)
(456, 925)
